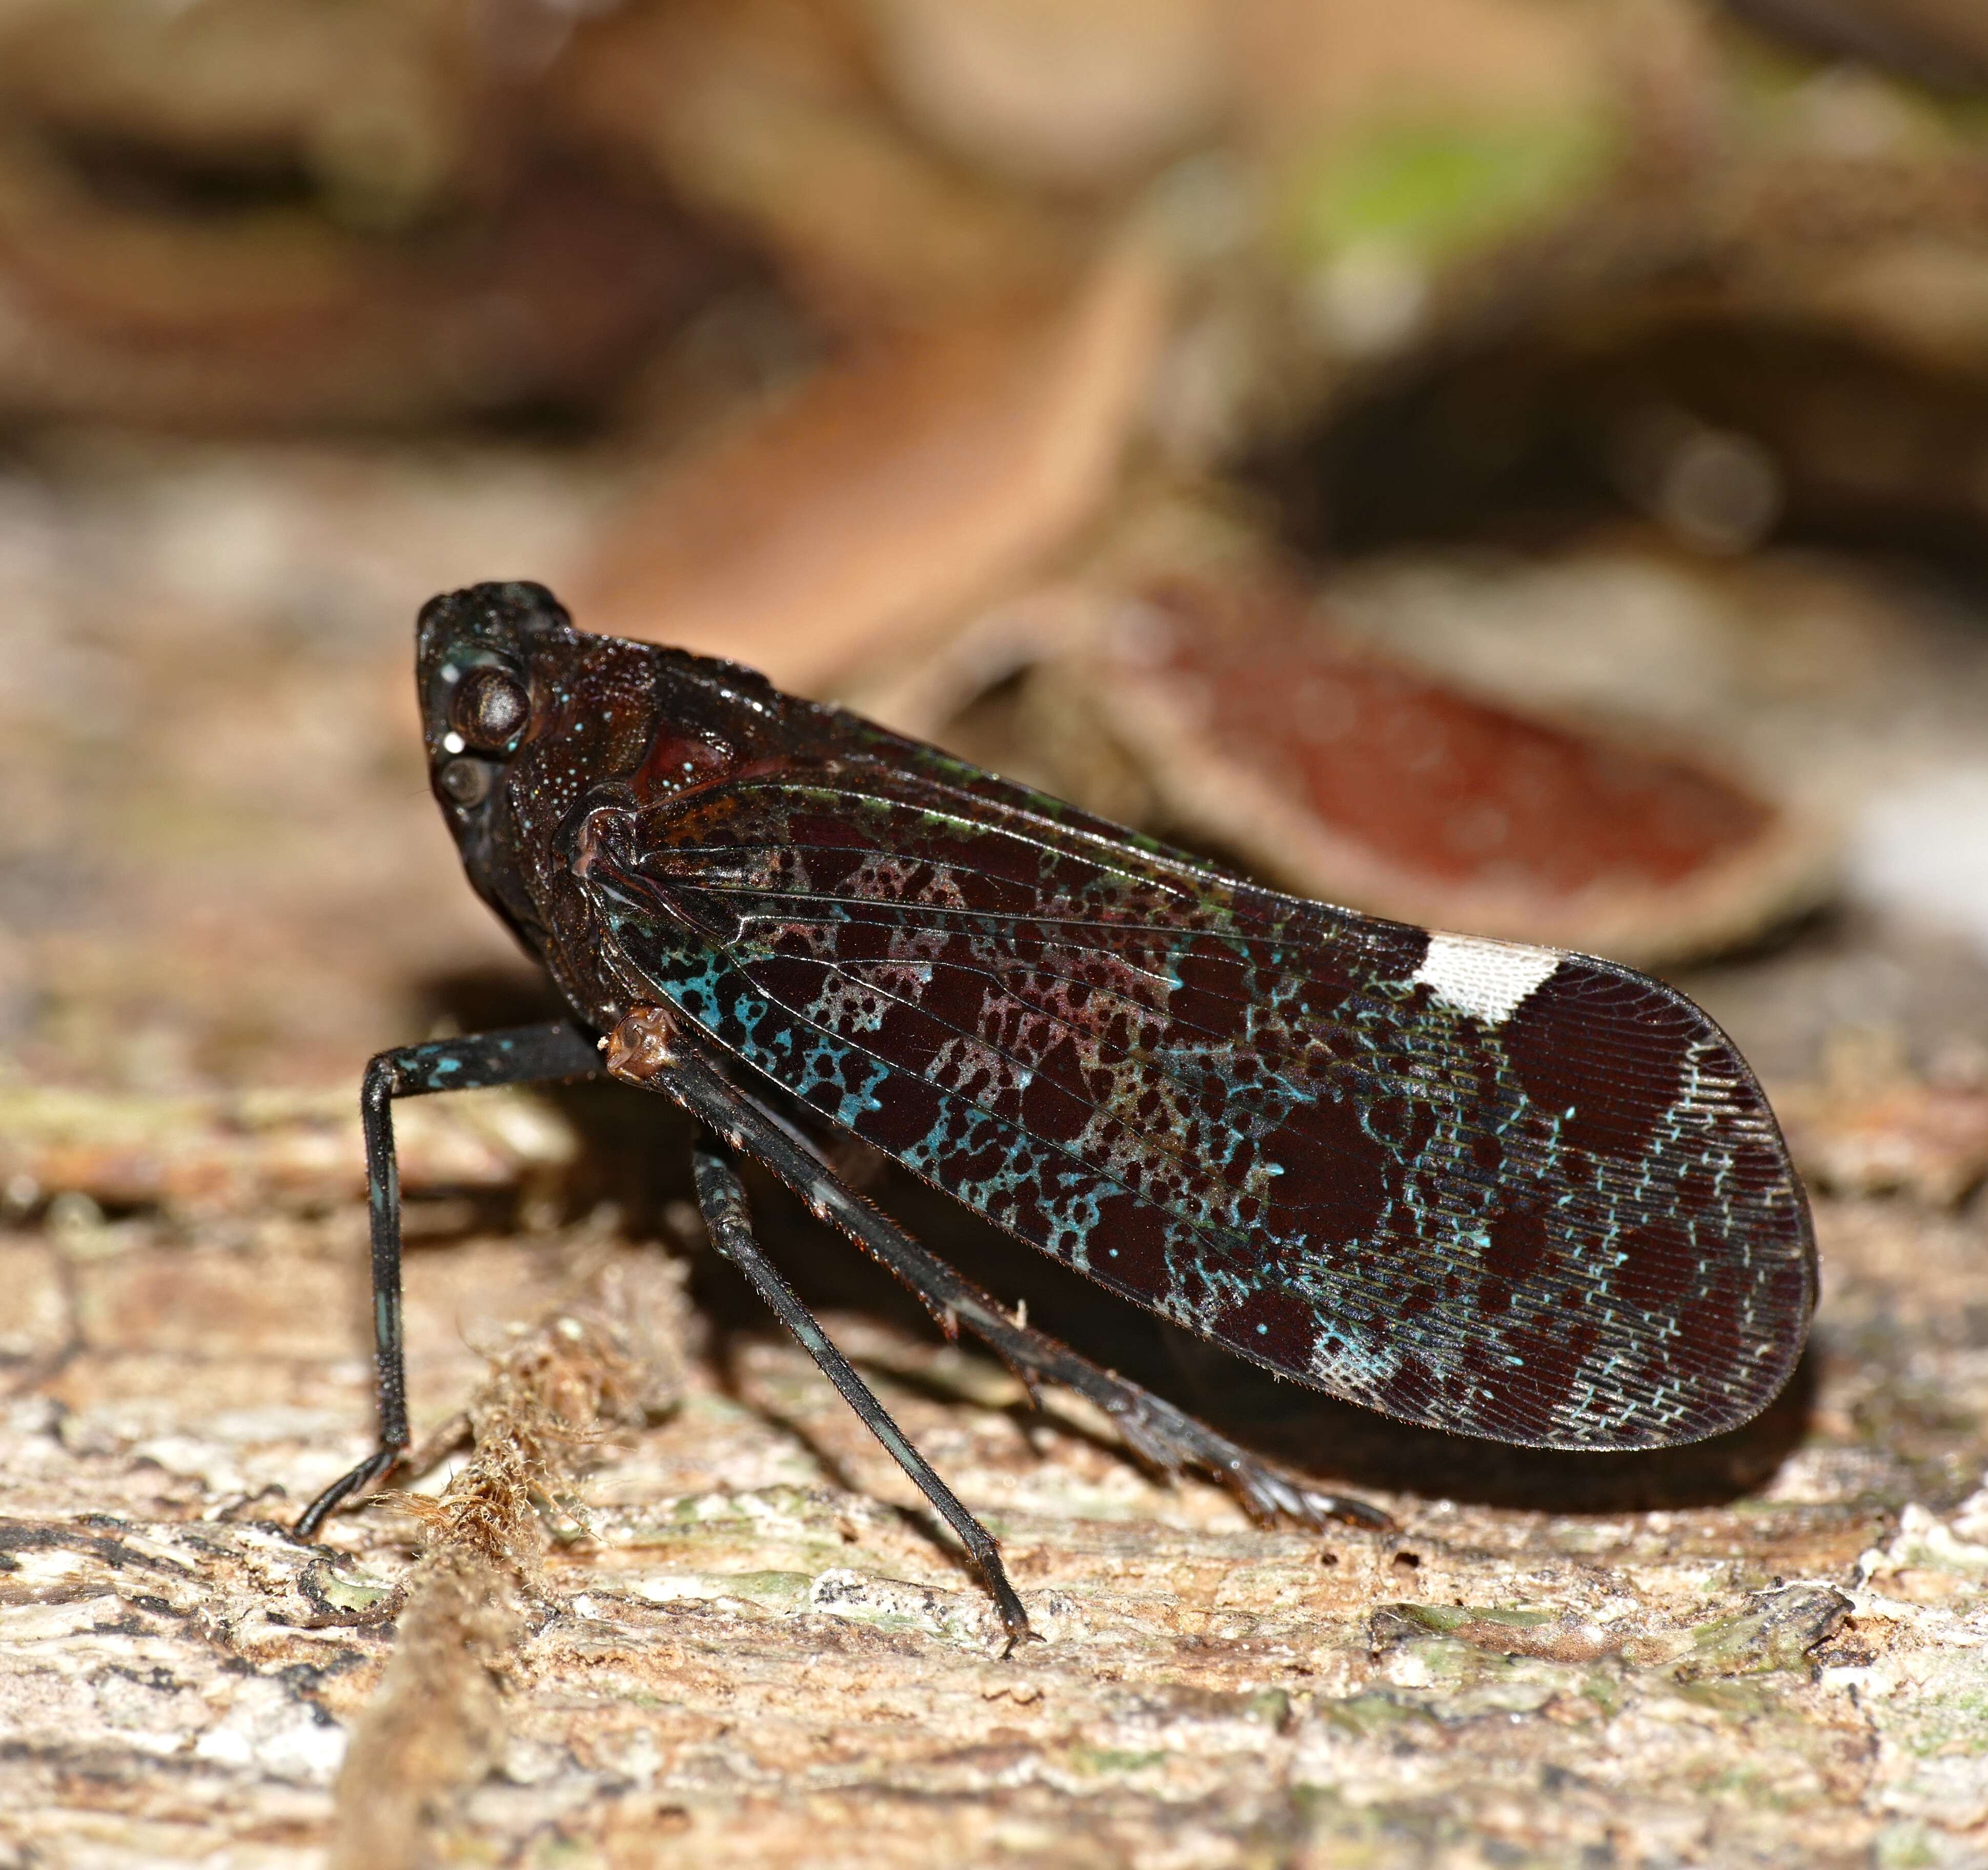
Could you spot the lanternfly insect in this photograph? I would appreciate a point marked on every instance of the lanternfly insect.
(1522, 1194)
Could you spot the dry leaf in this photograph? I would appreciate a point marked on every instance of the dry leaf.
(762, 115)
(889, 493)
(280, 213)
(1342, 775)
(1062, 93)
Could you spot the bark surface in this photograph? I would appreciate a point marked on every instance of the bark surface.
(661, 1600)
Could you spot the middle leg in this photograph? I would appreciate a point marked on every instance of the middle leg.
(721, 1196)
(1168, 1437)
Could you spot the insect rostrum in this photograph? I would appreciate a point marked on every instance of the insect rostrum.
(1506, 1191)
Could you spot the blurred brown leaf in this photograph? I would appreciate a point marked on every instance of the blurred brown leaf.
(264, 212)
(1340, 774)
(1065, 94)
(889, 491)
(1941, 41)
(761, 115)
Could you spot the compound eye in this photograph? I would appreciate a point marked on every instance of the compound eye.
(488, 708)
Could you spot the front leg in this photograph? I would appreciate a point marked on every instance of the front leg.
(478, 1061)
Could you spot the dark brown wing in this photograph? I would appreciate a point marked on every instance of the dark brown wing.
(1503, 1190)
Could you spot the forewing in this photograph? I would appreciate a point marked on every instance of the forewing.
(1502, 1190)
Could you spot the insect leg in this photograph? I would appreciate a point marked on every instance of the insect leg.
(479, 1061)
(721, 1196)
(1168, 1437)
(1163, 1435)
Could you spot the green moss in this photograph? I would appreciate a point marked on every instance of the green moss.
(1740, 1698)
(769, 1588)
(1374, 1713)
(1104, 1761)
(1270, 1706)
(1441, 1619)
(1435, 187)
(775, 1591)
(1776, 1631)
(1950, 1714)
(1604, 1689)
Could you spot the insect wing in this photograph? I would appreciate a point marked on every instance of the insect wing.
(1497, 1189)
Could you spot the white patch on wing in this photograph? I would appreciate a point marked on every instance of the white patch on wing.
(1485, 978)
